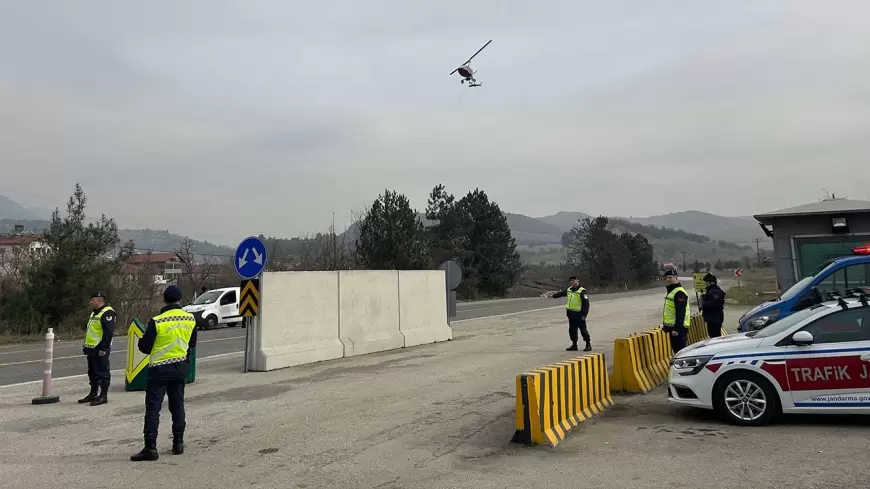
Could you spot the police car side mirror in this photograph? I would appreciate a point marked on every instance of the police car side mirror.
(802, 338)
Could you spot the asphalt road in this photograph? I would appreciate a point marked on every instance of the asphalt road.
(24, 363)
(434, 416)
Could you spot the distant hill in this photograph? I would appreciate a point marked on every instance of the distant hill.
(12, 210)
(528, 230)
(742, 230)
(145, 239)
(700, 235)
(564, 220)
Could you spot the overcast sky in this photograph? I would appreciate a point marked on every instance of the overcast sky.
(219, 118)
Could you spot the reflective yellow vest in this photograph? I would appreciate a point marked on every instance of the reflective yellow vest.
(669, 314)
(575, 299)
(94, 333)
(174, 329)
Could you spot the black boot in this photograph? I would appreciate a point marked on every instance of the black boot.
(101, 398)
(588, 346)
(177, 444)
(573, 347)
(90, 397)
(148, 454)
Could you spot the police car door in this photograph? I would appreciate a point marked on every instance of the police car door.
(832, 373)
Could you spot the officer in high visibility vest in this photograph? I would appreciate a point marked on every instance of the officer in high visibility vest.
(96, 347)
(167, 339)
(576, 308)
(675, 314)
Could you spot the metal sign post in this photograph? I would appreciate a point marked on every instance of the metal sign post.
(453, 279)
(249, 262)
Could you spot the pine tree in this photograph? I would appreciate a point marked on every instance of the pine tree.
(391, 237)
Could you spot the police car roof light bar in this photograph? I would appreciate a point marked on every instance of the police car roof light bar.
(861, 250)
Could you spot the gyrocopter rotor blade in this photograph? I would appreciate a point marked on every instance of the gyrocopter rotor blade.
(478, 52)
(472, 57)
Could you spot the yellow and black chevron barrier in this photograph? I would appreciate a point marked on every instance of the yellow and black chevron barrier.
(632, 368)
(698, 330)
(554, 399)
(641, 361)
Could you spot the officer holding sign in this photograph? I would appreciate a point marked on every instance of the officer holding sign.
(167, 339)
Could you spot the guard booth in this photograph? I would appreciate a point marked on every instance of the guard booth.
(806, 236)
(136, 371)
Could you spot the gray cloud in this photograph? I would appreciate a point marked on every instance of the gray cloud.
(221, 119)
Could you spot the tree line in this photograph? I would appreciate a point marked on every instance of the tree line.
(49, 287)
(609, 258)
(471, 230)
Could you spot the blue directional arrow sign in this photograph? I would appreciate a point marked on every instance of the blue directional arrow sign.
(250, 259)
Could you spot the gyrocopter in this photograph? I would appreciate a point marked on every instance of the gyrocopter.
(467, 72)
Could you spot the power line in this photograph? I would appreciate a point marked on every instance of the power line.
(153, 250)
(95, 220)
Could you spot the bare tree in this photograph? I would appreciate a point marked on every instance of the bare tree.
(197, 272)
(134, 292)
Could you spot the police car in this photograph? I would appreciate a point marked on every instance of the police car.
(816, 360)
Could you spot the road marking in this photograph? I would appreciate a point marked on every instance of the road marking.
(31, 382)
(241, 352)
(58, 344)
(113, 351)
(520, 312)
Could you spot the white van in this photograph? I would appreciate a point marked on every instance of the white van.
(218, 306)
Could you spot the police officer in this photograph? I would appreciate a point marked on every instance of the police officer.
(577, 309)
(713, 306)
(167, 339)
(96, 347)
(675, 315)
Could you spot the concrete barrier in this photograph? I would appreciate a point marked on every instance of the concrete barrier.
(632, 368)
(554, 399)
(369, 311)
(655, 372)
(308, 317)
(642, 360)
(422, 307)
(698, 329)
(299, 317)
(662, 353)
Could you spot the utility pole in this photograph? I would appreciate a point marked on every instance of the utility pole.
(334, 238)
(757, 253)
(684, 261)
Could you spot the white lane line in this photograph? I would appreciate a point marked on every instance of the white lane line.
(519, 312)
(209, 357)
(24, 362)
(516, 313)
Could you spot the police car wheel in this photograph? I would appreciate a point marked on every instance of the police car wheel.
(745, 398)
(211, 322)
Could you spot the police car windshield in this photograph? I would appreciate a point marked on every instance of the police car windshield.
(787, 322)
(208, 297)
(804, 282)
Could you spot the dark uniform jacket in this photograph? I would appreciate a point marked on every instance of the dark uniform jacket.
(713, 305)
(584, 309)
